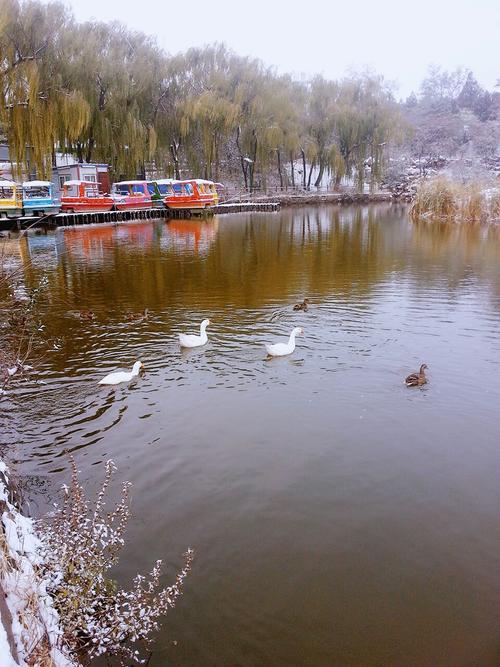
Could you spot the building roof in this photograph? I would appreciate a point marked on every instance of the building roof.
(78, 183)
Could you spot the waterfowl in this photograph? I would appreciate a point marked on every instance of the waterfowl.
(301, 306)
(282, 349)
(190, 340)
(122, 376)
(137, 317)
(86, 315)
(417, 379)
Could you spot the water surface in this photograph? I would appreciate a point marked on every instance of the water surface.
(338, 517)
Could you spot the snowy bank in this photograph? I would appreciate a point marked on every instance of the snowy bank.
(29, 625)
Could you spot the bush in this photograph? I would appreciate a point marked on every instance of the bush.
(80, 544)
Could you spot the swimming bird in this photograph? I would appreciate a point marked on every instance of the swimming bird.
(417, 379)
(121, 376)
(137, 317)
(301, 306)
(282, 349)
(87, 315)
(190, 340)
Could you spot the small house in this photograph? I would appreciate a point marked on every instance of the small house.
(81, 171)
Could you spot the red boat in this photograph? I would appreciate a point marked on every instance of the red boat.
(84, 197)
(191, 194)
(131, 194)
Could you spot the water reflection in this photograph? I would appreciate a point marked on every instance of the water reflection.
(338, 517)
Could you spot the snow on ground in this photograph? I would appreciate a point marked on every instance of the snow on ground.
(34, 619)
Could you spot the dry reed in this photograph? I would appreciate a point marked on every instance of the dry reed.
(443, 199)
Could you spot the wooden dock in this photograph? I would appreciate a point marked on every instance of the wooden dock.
(247, 206)
(77, 219)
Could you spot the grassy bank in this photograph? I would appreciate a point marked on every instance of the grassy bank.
(443, 199)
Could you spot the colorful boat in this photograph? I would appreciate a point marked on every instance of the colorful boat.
(84, 197)
(208, 191)
(190, 194)
(11, 202)
(156, 196)
(164, 186)
(131, 195)
(38, 199)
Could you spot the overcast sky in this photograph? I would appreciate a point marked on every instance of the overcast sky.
(394, 37)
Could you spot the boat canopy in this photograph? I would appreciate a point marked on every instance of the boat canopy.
(8, 184)
(130, 182)
(37, 184)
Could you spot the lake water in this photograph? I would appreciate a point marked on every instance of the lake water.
(338, 517)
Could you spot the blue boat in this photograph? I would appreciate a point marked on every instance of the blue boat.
(38, 199)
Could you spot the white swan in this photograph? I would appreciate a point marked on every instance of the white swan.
(121, 376)
(190, 340)
(282, 349)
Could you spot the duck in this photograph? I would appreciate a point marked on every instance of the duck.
(86, 315)
(191, 340)
(282, 349)
(417, 379)
(302, 306)
(137, 317)
(122, 376)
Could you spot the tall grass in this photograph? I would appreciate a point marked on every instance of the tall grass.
(443, 199)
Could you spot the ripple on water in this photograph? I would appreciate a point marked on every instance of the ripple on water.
(324, 460)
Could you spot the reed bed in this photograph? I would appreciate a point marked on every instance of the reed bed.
(443, 199)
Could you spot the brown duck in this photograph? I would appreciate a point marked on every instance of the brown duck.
(417, 379)
(137, 317)
(301, 306)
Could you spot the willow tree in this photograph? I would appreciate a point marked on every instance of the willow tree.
(37, 108)
(214, 117)
(259, 132)
(368, 119)
(109, 65)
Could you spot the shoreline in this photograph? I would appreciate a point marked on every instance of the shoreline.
(304, 199)
(29, 623)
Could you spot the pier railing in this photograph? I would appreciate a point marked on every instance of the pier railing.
(229, 194)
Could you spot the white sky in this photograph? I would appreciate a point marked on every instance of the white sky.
(396, 38)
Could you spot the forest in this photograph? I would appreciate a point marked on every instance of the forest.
(108, 94)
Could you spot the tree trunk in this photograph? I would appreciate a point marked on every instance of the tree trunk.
(79, 151)
(244, 165)
(90, 146)
(174, 150)
(254, 158)
(216, 156)
(313, 164)
(372, 171)
(317, 182)
(292, 169)
(304, 167)
(279, 167)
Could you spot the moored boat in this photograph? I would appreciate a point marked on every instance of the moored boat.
(190, 194)
(11, 203)
(84, 197)
(164, 186)
(132, 195)
(207, 190)
(156, 196)
(38, 199)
